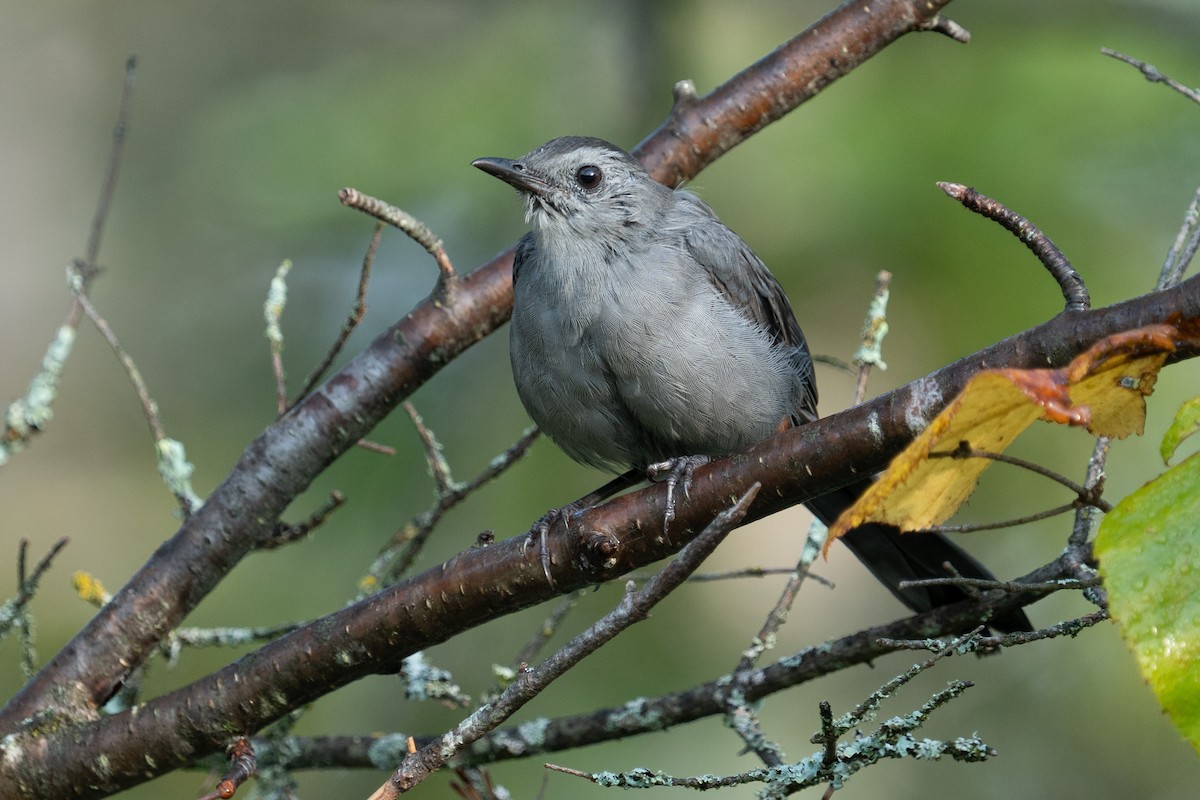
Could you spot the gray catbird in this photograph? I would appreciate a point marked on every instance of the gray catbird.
(646, 334)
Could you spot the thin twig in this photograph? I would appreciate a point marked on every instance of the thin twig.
(172, 465)
(840, 364)
(1087, 496)
(547, 629)
(1013, 522)
(634, 607)
(112, 169)
(435, 459)
(738, 574)
(416, 230)
(375, 447)
(1152, 74)
(286, 534)
(149, 407)
(1187, 242)
(1073, 288)
(875, 328)
(357, 312)
(388, 566)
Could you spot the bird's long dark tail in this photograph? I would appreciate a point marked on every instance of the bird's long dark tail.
(893, 558)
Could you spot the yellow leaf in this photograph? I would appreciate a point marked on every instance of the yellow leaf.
(1102, 389)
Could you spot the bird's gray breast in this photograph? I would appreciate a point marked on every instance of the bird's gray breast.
(634, 357)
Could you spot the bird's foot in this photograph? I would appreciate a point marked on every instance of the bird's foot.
(540, 531)
(675, 472)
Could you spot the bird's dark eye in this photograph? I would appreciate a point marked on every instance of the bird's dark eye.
(588, 177)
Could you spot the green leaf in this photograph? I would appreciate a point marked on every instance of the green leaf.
(1186, 422)
(1149, 551)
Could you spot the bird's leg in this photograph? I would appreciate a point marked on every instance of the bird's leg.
(541, 529)
(675, 471)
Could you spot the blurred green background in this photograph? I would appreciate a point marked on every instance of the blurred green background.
(249, 117)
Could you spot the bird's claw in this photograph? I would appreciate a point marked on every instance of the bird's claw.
(675, 472)
(539, 535)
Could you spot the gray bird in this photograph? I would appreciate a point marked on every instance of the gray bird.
(647, 334)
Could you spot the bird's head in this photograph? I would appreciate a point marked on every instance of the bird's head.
(582, 186)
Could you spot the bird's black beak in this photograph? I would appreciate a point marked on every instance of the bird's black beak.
(513, 173)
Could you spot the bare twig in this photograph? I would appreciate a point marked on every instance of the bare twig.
(149, 407)
(1152, 74)
(833, 47)
(1012, 522)
(634, 607)
(547, 629)
(439, 469)
(111, 170)
(738, 574)
(285, 534)
(477, 785)
(375, 447)
(1187, 242)
(1086, 495)
(388, 566)
(416, 230)
(172, 464)
(1073, 288)
(357, 313)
